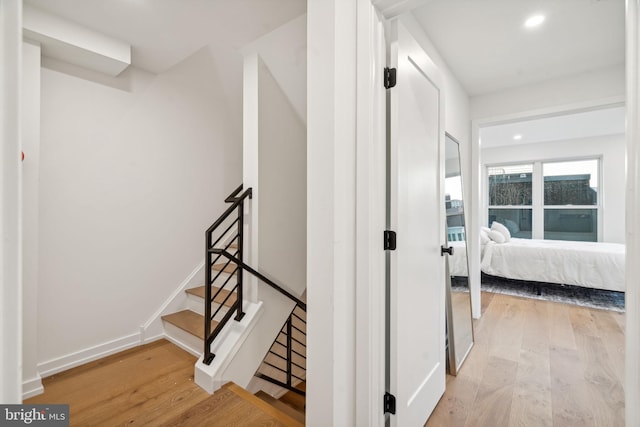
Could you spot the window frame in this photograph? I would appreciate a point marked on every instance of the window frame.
(537, 197)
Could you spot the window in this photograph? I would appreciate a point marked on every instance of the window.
(510, 198)
(454, 208)
(571, 200)
(556, 200)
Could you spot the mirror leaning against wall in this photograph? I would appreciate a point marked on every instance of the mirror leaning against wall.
(459, 321)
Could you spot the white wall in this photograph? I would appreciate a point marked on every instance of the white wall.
(30, 193)
(129, 181)
(456, 100)
(10, 199)
(610, 148)
(282, 187)
(284, 52)
(277, 175)
(598, 84)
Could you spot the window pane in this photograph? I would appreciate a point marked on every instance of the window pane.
(571, 224)
(510, 185)
(455, 208)
(518, 221)
(571, 183)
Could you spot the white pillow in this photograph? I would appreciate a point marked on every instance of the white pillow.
(485, 229)
(484, 237)
(496, 226)
(496, 236)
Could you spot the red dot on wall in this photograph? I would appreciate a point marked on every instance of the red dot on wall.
(22, 155)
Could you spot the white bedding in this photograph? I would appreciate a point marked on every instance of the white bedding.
(589, 264)
(458, 261)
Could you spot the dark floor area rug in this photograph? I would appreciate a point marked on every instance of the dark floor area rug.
(586, 297)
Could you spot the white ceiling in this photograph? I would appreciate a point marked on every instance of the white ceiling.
(483, 42)
(165, 32)
(487, 47)
(609, 121)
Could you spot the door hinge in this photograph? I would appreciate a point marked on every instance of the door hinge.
(389, 403)
(389, 77)
(389, 240)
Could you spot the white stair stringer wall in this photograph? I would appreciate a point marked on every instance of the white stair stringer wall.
(274, 166)
(153, 328)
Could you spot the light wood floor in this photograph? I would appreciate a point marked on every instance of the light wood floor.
(153, 385)
(538, 363)
(535, 363)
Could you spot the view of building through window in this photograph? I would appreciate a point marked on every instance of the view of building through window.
(510, 198)
(568, 202)
(454, 208)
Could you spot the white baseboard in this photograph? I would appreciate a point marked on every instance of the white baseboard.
(71, 360)
(32, 387)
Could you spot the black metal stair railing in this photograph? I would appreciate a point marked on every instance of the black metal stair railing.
(288, 353)
(228, 229)
(286, 362)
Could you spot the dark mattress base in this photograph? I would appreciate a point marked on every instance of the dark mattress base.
(588, 297)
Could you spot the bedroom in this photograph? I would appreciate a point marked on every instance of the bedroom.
(531, 78)
(553, 181)
(512, 107)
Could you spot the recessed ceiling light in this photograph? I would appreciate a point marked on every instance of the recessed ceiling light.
(517, 137)
(534, 21)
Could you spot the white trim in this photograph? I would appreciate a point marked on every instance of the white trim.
(632, 371)
(177, 300)
(10, 202)
(479, 202)
(393, 8)
(370, 216)
(32, 387)
(71, 360)
(226, 347)
(331, 211)
(251, 168)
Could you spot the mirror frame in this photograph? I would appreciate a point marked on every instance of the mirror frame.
(451, 347)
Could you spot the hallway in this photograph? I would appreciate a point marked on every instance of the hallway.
(538, 363)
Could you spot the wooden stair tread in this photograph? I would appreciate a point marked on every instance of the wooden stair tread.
(221, 267)
(200, 290)
(233, 406)
(189, 321)
(295, 400)
(289, 410)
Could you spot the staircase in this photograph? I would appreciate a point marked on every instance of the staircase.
(291, 403)
(187, 326)
(227, 327)
(234, 406)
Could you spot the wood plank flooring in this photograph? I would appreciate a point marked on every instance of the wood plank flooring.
(538, 363)
(535, 363)
(152, 385)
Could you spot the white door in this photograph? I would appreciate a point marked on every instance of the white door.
(417, 298)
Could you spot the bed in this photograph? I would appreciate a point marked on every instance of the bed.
(458, 261)
(588, 264)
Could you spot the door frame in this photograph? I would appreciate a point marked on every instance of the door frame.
(632, 333)
(479, 182)
(324, 392)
